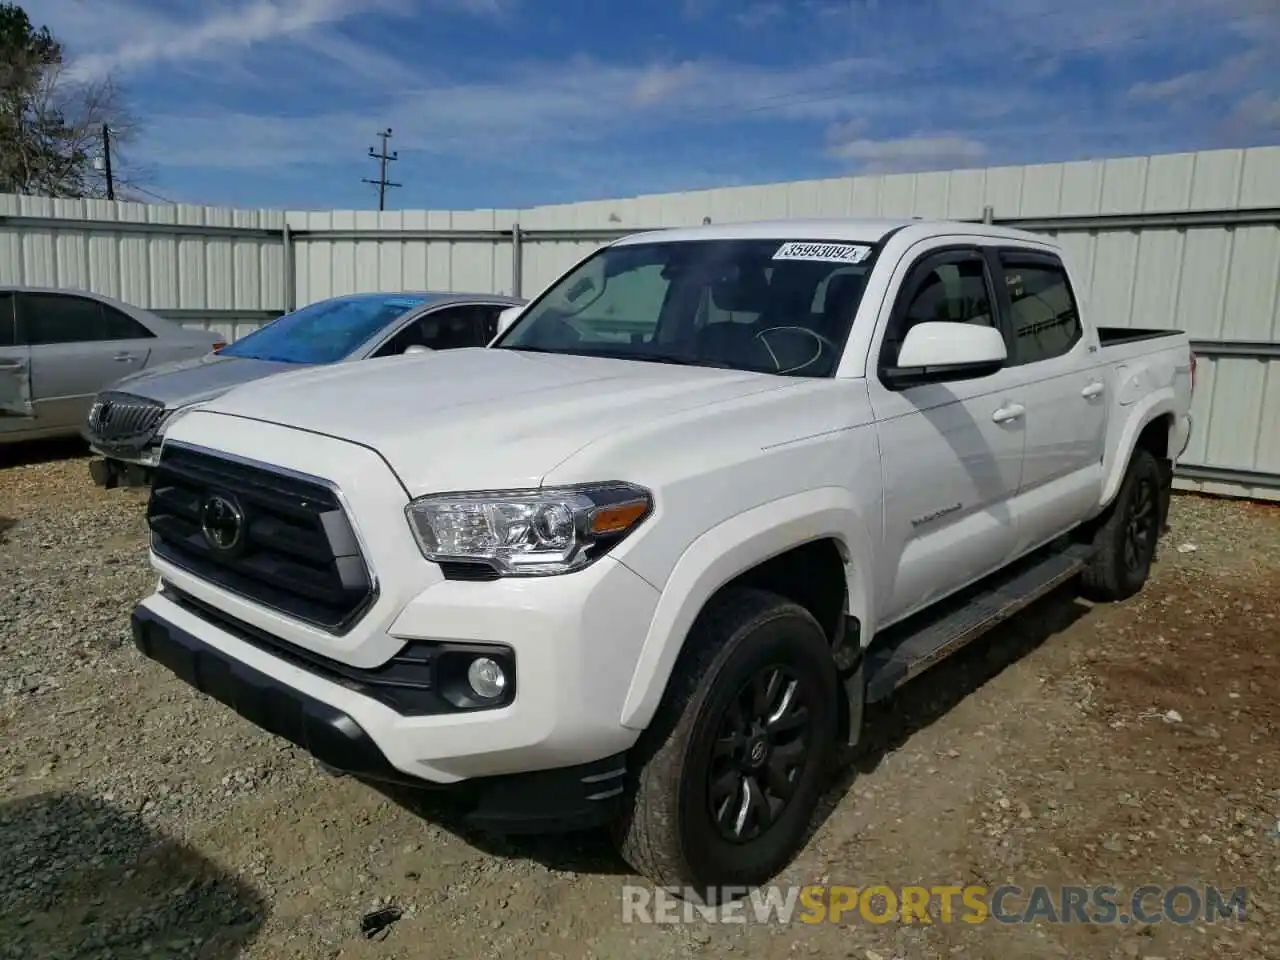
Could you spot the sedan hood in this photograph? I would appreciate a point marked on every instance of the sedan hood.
(201, 378)
(478, 417)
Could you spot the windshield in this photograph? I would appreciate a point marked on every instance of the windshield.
(771, 306)
(324, 332)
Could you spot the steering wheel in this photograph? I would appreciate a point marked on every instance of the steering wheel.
(823, 345)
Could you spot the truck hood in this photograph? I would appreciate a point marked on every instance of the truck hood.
(477, 418)
(201, 378)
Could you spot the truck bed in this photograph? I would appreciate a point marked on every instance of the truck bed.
(1116, 336)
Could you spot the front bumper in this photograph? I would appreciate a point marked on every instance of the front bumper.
(564, 798)
(146, 458)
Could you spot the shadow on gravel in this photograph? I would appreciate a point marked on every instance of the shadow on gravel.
(584, 851)
(6, 524)
(83, 878)
(29, 452)
(928, 698)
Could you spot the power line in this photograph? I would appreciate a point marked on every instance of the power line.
(150, 193)
(383, 159)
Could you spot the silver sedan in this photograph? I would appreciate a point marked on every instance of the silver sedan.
(58, 348)
(125, 425)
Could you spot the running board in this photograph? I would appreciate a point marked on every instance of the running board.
(908, 649)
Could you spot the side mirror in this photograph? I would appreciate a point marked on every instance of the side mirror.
(936, 352)
(416, 348)
(506, 318)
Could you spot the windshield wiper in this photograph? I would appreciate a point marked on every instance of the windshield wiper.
(661, 358)
(629, 355)
(524, 349)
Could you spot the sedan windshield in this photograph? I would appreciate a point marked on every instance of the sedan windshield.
(324, 332)
(771, 306)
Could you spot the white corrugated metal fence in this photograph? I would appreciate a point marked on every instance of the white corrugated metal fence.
(1189, 241)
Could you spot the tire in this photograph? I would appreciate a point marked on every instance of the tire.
(1125, 543)
(670, 832)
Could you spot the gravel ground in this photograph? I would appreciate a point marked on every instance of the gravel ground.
(1120, 745)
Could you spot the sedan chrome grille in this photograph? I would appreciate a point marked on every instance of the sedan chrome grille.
(122, 420)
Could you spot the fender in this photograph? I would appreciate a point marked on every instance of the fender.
(1151, 407)
(731, 548)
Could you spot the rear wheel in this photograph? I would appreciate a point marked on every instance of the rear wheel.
(1126, 542)
(732, 767)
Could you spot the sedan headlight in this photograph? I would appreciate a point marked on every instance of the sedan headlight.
(174, 415)
(528, 533)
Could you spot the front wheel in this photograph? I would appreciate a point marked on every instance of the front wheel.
(732, 767)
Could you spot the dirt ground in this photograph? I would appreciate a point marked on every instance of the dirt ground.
(1124, 745)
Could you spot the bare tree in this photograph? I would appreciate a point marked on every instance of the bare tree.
(52, 122)
(58, 149)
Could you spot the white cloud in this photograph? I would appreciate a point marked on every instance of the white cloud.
(226, 31)
(658, 83)
(1256, 115)
(583, 103)
(761, 14)
(123, 38)
(696, 9)
(911, 154)
(1194, 86)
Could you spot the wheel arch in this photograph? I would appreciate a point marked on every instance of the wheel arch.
(1148, 425)
(735, 551)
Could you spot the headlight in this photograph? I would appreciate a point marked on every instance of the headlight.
(528, 533)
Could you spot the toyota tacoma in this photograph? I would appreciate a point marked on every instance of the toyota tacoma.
(643, 559)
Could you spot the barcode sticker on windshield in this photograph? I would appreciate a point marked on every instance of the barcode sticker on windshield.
(828, 252)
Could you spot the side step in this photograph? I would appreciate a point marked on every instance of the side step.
(907, 649)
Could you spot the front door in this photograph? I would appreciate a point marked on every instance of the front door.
(446, 328)
(78, 346)
(950, 453)
(16, 410)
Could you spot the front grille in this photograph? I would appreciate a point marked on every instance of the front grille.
(121, 420)
(273, 537)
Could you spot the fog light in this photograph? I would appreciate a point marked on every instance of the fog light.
(486, 678)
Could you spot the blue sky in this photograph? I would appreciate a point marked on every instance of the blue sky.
(512, 103)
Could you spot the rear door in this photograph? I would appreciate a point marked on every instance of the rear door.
(78, 346)
(1053, 361)
(16, 410)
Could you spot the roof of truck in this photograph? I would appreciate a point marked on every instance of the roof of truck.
(852, 230)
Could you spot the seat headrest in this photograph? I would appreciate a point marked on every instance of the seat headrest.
(746, 290)
(841, 289)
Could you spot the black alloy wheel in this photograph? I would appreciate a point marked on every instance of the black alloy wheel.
(759, 754)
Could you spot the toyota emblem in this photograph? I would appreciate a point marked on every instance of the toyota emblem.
(221, 522)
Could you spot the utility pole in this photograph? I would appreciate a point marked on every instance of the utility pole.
(383, 159)
(106, 161)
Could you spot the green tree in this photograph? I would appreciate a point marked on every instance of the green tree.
(51, 120)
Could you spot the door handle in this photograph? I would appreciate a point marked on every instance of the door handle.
(1093, 389)
(1007, 414)
(123, 357)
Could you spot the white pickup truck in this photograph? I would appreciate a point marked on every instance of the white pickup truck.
(642, 560)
